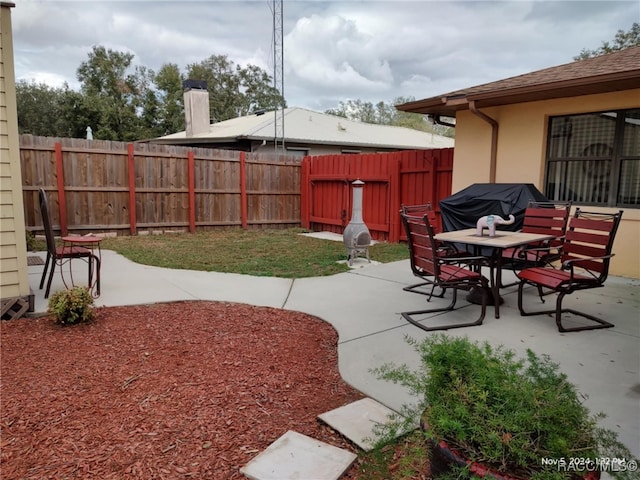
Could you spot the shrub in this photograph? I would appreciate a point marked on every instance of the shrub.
(506, 413)
(72, 306)
(33, 244)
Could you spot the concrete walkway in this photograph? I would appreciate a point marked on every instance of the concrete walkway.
(364, 306)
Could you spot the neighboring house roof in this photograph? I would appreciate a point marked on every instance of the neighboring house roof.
(302, 126)
(606, 73)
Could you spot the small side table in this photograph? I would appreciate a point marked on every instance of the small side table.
(92, 244)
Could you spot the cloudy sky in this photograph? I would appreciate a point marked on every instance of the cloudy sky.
(333, 51)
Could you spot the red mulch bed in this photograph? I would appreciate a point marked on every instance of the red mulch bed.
(176, 390)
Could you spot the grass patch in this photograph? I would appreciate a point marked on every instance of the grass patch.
(268, 253)
(405, 458)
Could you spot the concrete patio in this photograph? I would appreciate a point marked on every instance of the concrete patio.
(364, 306)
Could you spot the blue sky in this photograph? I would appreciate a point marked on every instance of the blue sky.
(333, 51)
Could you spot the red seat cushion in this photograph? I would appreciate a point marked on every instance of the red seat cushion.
(552, 278)
(449, 273)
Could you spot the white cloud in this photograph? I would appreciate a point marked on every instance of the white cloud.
(334, 50)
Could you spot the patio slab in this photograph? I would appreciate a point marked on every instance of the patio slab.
(357, 421)
(364, 306)
(296, 456)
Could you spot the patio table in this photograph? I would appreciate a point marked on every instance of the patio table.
(501, 240)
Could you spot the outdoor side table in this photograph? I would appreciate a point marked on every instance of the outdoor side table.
(92, 244)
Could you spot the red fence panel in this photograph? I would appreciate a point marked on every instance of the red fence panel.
(391, 179)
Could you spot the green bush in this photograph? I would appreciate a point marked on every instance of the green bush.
(72, 306)
(506, 413)
(33, 244)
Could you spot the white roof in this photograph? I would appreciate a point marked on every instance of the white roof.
(309, 127)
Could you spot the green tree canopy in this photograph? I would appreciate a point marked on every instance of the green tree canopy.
(120, 101)
(113, 93)
(621, 41)
(234, 91)
(383, 113)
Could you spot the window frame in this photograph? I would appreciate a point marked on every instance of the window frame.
(609, 173)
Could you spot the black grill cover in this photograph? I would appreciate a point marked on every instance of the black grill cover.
(463, 209)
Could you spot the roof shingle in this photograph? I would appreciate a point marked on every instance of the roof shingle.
(611, 72)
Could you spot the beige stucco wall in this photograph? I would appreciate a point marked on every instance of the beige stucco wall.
(14, 280)
(521, 155)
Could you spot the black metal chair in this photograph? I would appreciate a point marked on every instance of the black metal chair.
(443, 249)
(57, 255)
(546, 218)
(586, 254)
(457, 273)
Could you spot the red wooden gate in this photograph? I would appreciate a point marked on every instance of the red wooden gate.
(408, 177)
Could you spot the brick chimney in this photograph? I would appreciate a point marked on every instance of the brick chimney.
(196, 107)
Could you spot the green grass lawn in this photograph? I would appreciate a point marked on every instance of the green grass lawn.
(272, 253)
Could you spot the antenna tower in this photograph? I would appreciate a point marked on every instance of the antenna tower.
(278, 75)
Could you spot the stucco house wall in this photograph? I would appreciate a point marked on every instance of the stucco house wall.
(522, 140)
(14, 282)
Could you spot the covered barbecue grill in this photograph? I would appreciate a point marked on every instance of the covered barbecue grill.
(463, 209)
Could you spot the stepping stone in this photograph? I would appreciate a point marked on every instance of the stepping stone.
(357, 420)
(296, 456)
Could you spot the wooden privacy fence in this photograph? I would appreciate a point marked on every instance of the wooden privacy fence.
(102, 186)
(391, 179)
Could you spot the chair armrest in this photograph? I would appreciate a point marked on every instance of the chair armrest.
(569, 263)
(478, 260)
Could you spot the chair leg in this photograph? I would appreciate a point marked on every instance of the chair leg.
(53, 268)
(408, 316)
(558, 311)
(414, 289)
(95, 258)
(44, 272)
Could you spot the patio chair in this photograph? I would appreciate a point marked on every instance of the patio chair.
(586, 254)
(57, 255)
(546, 218)
(457, 273)
(443, 249)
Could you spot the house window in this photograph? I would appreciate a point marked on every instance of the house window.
(594, 158)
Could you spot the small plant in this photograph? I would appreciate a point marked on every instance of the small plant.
(517, 417)
(33, 244)
(72, 306)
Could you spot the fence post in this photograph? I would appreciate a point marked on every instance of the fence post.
(394, 196)
(243, 190)
(192, 192)
(62, 200)
(132, 190)
(305, 193)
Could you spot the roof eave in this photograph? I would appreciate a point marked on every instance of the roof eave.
(448, 106)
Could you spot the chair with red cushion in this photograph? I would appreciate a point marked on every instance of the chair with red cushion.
(546, 218)
(457, 273)
(56, 255)
(443, 249)
(586, 254)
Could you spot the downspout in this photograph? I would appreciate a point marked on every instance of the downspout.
(494, 139)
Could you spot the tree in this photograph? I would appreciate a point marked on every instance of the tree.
(33, 99)
(126, 103)
(168, 83)
(386, 114)
(621, 41)
(112, 94)
(234, 91)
